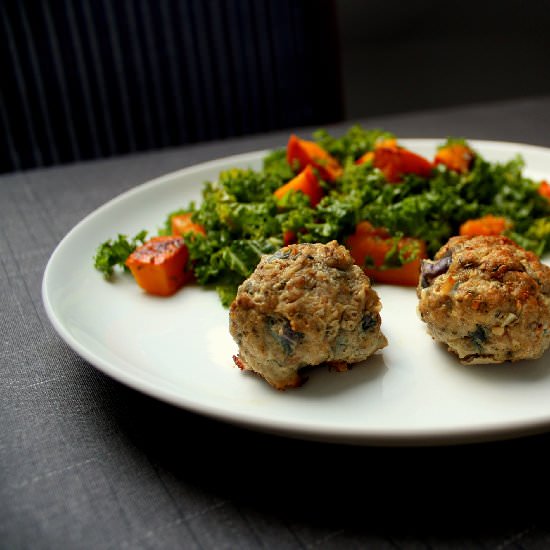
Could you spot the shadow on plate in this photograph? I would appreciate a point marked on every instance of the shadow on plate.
(509, 372)
(324, 380)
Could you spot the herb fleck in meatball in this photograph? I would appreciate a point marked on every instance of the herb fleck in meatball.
(487, 299)
(305, 305)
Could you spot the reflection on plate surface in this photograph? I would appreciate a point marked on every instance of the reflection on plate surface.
(178, 349)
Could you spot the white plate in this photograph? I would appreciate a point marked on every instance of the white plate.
(178, 349)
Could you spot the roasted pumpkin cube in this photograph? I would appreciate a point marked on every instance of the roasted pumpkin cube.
(182, 223)
(159, 265)
(369, 247)
(301, 152)
(306, 183)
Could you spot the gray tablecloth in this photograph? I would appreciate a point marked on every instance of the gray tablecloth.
(86, 462)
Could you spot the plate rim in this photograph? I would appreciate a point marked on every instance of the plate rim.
(490, 431)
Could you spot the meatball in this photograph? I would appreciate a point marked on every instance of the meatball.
(305, 305)
(487, 299)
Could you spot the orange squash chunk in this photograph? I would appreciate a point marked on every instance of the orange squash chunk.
(369, 245)
(158, 266)
(369, 155)
(394, 161)
(486, 225)
(456, 157)
(182, 224)
(303, 152)
(306, 182)
(544, 189)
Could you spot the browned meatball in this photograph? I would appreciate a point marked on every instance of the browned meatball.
(487, 299)
(305, 305)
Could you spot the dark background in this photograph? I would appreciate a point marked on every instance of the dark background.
(401, 55)
(93, 79)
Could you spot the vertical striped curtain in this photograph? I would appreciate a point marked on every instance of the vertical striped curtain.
(85, 79)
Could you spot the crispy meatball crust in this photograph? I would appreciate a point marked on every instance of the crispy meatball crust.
(487, 299)
(305, 305)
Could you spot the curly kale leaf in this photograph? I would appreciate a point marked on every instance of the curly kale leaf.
(276, 163)
(225, 266)
(113, 253)
(249, 185)
(351, 145)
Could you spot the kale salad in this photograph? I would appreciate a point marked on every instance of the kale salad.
(362, 189)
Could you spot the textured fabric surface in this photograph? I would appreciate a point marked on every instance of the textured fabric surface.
(86, 462)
